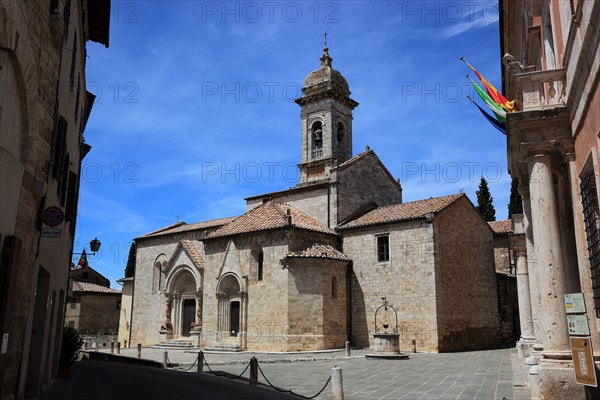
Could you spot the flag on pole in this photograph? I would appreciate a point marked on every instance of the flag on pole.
(498, 111)
(501, 126)
(498, 98)
(83, 263)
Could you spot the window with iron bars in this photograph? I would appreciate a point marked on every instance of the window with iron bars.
(589, 200)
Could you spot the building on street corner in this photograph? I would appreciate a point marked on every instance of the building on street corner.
(44, 108)
(551, 54)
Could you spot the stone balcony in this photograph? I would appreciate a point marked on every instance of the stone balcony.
(542, 126)
(541, 90)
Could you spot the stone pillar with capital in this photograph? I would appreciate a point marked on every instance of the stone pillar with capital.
(549, 259)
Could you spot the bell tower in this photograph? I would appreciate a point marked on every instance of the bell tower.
(326, 117)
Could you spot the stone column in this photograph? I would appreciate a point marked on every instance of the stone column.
(531, 261)
(524, 298)
(548, 251)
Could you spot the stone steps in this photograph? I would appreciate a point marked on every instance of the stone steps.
(180, 344)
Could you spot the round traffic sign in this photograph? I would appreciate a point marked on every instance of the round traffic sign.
(53, 216)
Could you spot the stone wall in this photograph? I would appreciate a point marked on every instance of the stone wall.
(364, 181)
(125, 314)
(148, 314)
(466, 291)
(502, 258)
(316, 309)
(407, 281)
(313, 202)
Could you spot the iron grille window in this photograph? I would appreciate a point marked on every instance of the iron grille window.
(589, 200)
(383, 248)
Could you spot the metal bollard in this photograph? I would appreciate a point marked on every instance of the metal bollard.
(337, 385)
(118, 347)
(200, 362)
(139, 350)
(414, 345)
(125, 344)
(85, 345)
(112, 347)
(253, 371)
(347, 349)
(165, 359)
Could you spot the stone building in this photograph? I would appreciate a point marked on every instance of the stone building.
(507, 244)
(552, 61)
(93, 309)
(420, 255)
(305, 268)
(89, 275)
(44, 107)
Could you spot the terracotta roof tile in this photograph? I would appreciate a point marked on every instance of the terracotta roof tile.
(318, 250)
(126, 279)
(193, 253)
(502, 226)
(183, 227)
(271, 215)
(92, 287)
(403, 211)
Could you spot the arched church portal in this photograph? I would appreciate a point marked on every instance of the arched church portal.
(231, 318)
(184, 304)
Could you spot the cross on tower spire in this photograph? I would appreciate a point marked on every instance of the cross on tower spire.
(325, 36)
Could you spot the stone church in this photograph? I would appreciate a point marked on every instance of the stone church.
(306, 268)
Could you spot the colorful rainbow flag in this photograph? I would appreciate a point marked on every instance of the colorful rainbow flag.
(498, 98)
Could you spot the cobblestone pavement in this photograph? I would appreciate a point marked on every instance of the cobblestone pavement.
(478, 375)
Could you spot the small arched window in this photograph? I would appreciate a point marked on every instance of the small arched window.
(156, 277)
(260, 266)
(340, 132)
(334, 288)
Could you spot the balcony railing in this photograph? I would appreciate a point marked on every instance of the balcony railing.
(540, 90)
(317, 153)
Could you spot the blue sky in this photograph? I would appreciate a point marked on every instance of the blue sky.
(195, 111)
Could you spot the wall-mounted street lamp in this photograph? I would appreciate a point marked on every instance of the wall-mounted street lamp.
(94, 247)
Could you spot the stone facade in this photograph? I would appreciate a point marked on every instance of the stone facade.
(124, 328)
(552, 69)
(93, 309)
(430, 261)
(44, 108)
(306, 268)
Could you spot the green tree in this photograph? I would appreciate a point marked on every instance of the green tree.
(485, 204)
(130, 268)
(515, 206)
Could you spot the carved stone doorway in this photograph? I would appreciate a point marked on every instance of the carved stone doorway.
(234, 317)
(189, 316)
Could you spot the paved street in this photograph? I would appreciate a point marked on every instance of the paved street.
(468, 375)
(101, 380)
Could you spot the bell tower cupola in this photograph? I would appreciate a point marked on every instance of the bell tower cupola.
(326, 121)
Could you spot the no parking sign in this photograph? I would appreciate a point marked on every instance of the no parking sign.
(53, 216)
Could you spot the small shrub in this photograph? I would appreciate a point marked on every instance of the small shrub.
(71, 343)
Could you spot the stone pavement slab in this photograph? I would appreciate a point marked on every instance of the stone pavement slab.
(480, 375)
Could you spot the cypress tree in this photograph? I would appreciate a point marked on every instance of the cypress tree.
(130, 268)
(515, 206)
(485, 204)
